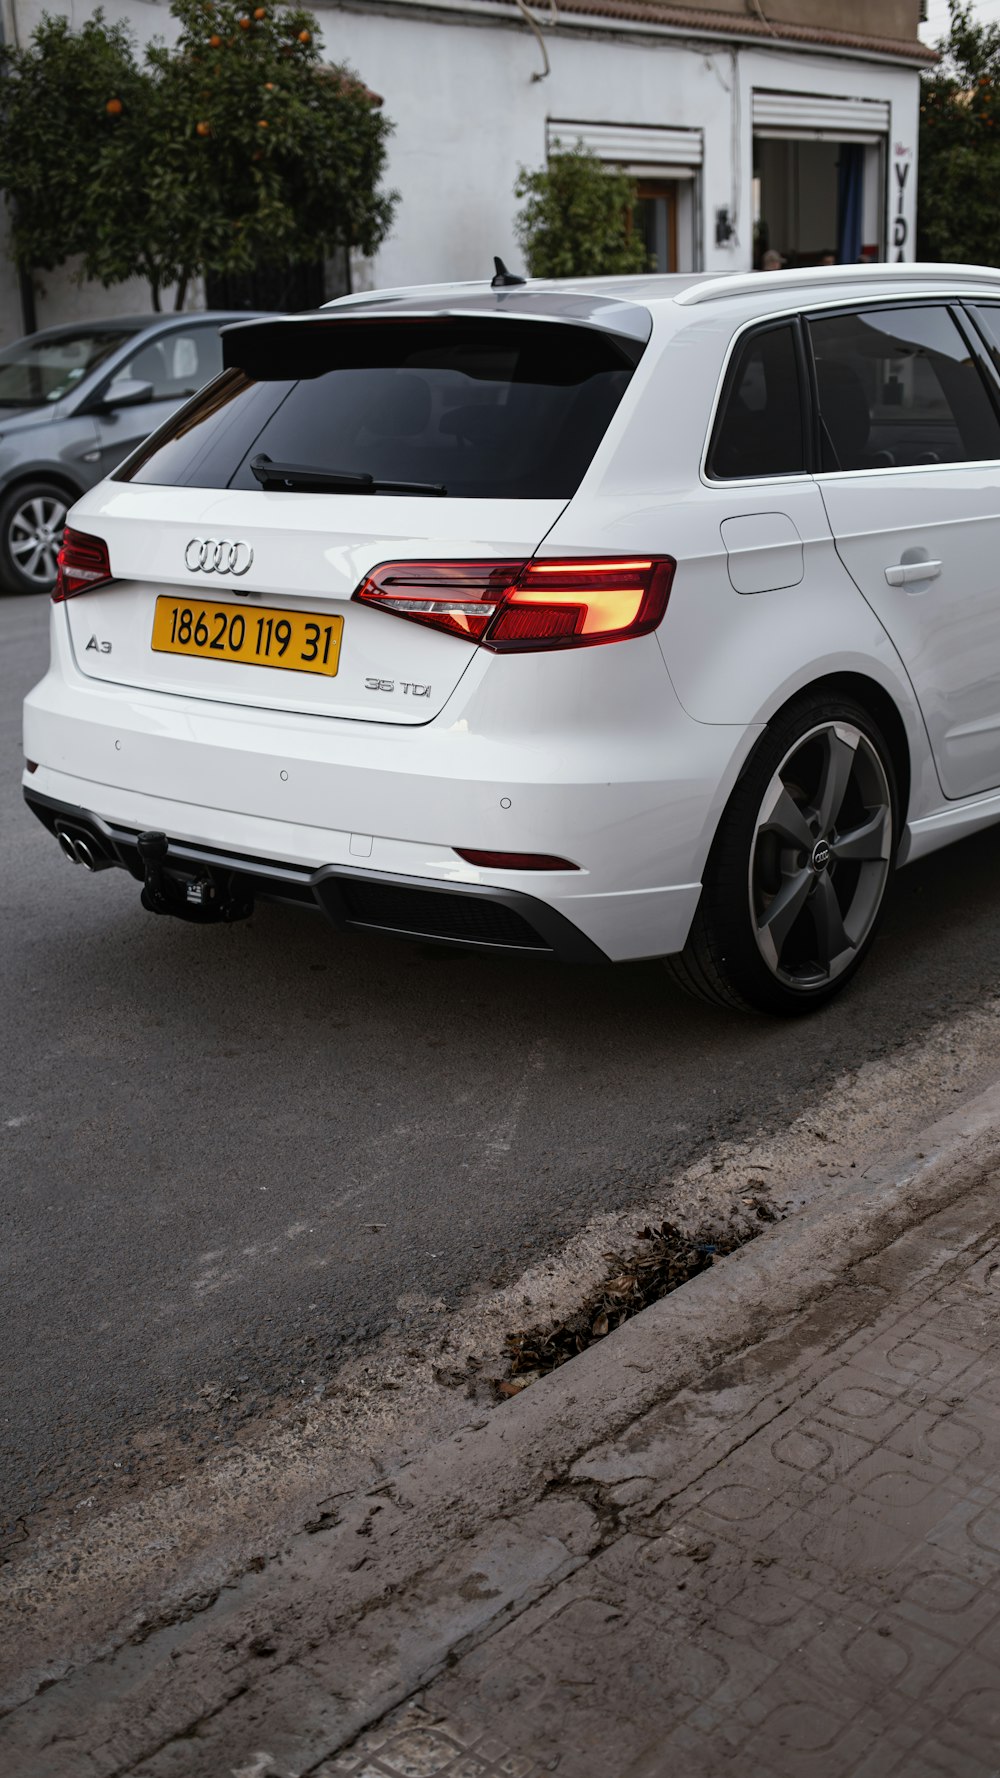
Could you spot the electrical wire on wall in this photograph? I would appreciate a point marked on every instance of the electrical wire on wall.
(533, 25)
(755, 7)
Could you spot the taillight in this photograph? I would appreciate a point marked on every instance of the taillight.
(462, 597)
(84, 563)
(517, 606)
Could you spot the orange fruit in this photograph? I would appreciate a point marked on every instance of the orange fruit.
(215, 42)
(260, 12)
(263, 124)
(305, 36)
(203, 129)
(269, 86)
(114, 108)
(244, 24)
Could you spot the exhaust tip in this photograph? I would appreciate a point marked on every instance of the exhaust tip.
(69, 846)
(85, 854)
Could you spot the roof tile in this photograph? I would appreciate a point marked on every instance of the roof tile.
(703, 20)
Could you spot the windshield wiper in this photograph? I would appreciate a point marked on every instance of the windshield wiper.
(300, 478)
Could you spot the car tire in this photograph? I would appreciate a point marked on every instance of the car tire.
(32, 517)
(797, 875)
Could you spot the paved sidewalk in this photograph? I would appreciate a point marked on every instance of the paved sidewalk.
(756, 1532)
(805, 1572)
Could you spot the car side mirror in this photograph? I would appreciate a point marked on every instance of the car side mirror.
(124, 392)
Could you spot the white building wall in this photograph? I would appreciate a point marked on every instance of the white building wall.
(468, 114)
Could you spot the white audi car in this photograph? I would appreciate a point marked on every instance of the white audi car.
(605, 619)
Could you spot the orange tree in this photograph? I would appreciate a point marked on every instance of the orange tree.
(958, 195)
(61, 100)
(234, 148)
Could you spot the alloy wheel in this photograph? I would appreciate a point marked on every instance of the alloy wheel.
(34, 537)
(820, 857)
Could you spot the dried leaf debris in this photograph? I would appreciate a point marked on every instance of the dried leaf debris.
(664, 1258)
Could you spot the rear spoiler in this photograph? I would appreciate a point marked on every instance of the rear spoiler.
(295, 346)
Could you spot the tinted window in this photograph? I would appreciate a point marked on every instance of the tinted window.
(759, 430)
(899, 387)
(988, 316)
(176, 364)
(45, 367)
(484, 408)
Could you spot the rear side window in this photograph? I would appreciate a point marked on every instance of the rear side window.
(484, 409)
(760, 428)
(899, 388)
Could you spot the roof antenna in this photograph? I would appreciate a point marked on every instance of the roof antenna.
(502, 277)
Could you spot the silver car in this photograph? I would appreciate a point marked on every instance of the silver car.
(74, 401)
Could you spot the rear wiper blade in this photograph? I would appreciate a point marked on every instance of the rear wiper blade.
(299, 475)
(300, 478)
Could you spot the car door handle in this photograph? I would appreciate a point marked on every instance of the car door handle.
(905, 572)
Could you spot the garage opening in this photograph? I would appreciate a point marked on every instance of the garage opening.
(819, 170)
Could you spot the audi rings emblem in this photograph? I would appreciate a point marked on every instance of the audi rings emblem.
(216, 555)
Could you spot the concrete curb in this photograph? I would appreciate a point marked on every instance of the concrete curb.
(730, 1307)
(392, 1607)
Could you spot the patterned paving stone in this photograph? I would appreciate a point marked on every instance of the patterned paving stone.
(413, 1743)
(821, 1601)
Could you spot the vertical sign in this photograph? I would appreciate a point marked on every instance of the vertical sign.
(902, 205)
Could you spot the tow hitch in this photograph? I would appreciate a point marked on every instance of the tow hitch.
(204, 898)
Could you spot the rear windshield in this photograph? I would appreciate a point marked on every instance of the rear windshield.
(490, 408)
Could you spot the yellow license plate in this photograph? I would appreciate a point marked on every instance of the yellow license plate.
(299, 641)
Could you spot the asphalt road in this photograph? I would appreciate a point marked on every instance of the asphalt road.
(227, 1152)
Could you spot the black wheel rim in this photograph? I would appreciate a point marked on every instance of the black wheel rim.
(819, 862)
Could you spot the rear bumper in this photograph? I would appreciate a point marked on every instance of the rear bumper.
(481, 919)
(607, 771)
